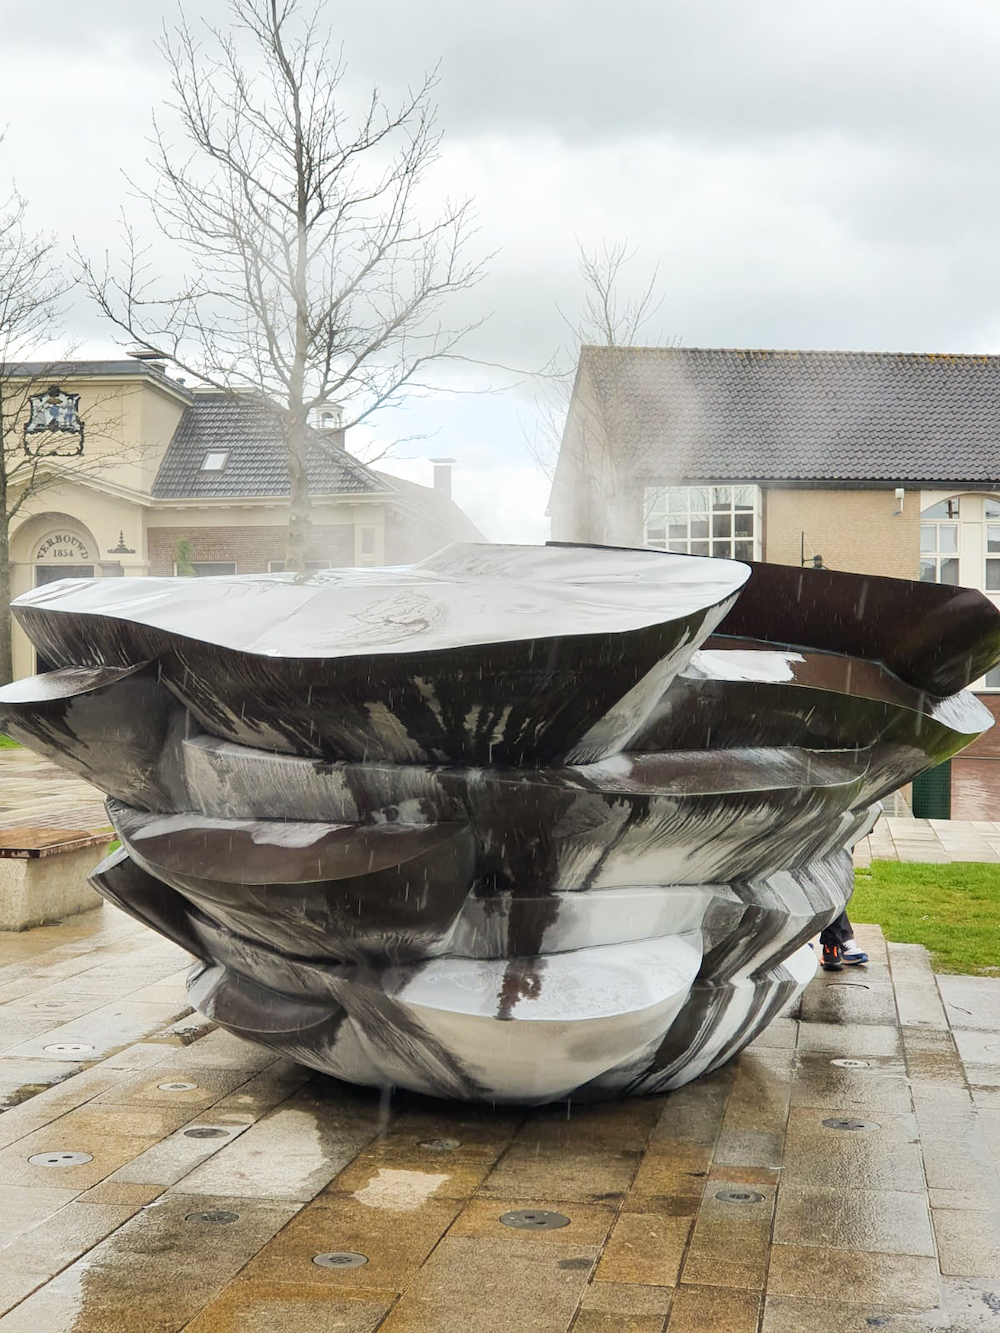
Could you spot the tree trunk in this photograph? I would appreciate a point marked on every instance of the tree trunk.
(299, 504)
(6, 654)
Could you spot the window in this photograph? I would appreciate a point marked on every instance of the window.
(206, 569)
(215, 462)
(993, 679)
(939, 544)
(704, 520)
(278, 566)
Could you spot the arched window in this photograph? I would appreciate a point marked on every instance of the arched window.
(939, 543)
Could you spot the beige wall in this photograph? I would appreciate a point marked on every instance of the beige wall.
(855, 531)
(128, 424)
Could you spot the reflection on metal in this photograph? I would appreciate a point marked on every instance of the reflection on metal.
(60, 1158)
(515, 824)
(177, 1087)
(213, 1217)
(739, 1196)
(852, 1064)
(439, 1145)
(340, 1259)
(206, 1132)
(852, 1125)
(67, 1048)
(534, 1219)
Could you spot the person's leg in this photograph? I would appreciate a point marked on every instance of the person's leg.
(839, 931)
(832, 941)
(838, 945)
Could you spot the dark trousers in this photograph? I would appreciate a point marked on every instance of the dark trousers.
(837, 932)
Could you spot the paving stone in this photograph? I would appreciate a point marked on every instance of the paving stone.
(158, 1264)
(584, 1177)
(221, 1050)
(880, 1221)
(40, 1253)
(176, 1156)
(456, 1174)
(105, 1028)
(493, 1287)
(694, 1113)
(972, 1002)
(111, 1140)
(903, 1281)
(749, 1148)
(291, 1154)
(617, 1126)
(260, 1307)
(818, 1156)
(704, 1309)
(589, 1223)
(882, 1087)
(626, 1299)
(978, 1048)
(762, 1082)
(729, 1244)
(782, 1034)
(645, 1248)
(672, 1171)
(855, 1041)
(790, 1314)
(979, 1201)
(847, 998)
(25, 1206)
(20, 1079)
(968, 1243)
(396, 1238)
(147, 1088)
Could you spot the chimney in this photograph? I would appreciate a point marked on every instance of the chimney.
(442, 475)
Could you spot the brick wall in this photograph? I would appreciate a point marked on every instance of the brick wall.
(855, 531)
(975, 773)
(975, 788)
(250, 547)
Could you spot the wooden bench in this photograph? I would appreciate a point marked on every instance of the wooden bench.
(43, 874)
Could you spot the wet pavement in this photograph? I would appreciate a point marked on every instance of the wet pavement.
(38, 794)
(157, 1174)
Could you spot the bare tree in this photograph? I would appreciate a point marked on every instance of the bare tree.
(41, 439)
(595, 451)
(317, 275)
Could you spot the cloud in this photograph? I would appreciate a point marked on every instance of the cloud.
(801, 175)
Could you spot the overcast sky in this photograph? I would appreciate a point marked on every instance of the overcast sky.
(809, 175)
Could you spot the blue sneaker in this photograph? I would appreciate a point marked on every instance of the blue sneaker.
(852, 955)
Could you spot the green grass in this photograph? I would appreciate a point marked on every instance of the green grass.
(953, 910)
(7, 744)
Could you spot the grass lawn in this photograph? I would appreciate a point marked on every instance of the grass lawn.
(953, 910)
(7, 744)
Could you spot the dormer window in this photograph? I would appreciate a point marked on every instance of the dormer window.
(215, 461)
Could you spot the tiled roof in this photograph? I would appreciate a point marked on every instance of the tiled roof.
(719, 413)
(434, 511)
(255, 463)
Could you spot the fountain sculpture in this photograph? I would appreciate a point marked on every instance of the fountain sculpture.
(514, 824)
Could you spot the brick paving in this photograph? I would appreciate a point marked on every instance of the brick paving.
(841, 1174)
(39, 794)
(216, 1172)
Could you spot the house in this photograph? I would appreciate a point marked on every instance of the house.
(869, 462)
(173, 479)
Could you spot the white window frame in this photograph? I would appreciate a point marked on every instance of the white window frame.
(220, 568)
(935, 555)
(278, 566)
(703, 520)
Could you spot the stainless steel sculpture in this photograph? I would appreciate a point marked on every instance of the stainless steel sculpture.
(513, 824)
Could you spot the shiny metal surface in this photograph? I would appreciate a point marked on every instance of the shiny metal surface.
(516, 824)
